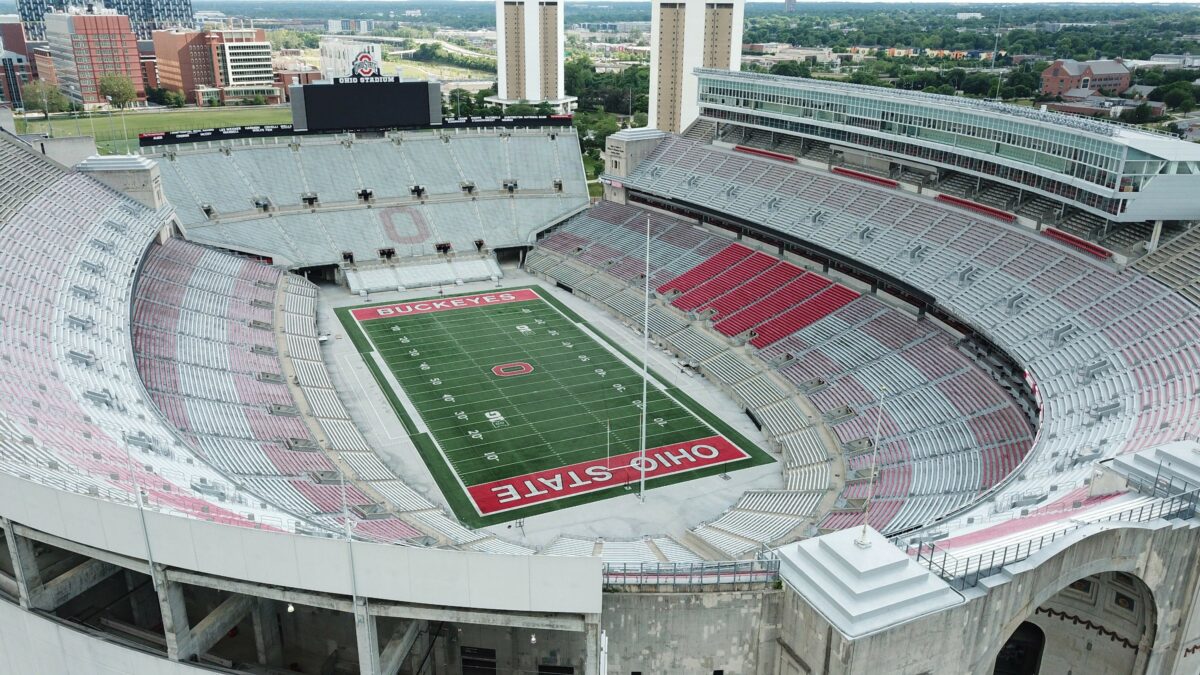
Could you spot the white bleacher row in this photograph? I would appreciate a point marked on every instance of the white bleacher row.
(229, 178)
(649, 550)
(225, 411)
(1055, 310)
(321, 236)
(423, 274)
(72, 398)
(231, 181)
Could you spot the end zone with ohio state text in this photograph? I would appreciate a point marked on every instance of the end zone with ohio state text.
(518, 409)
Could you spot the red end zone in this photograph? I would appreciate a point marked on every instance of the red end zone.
(442, 305)
(550, 484)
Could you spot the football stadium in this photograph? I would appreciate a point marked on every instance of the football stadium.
(830, 382)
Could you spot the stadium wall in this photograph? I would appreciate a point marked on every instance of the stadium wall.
(552, 584)
(1161, 554)
(692, 632)
(30, 643)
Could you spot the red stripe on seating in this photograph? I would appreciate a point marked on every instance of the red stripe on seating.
(1078, 243)
(977, 207)
(765, 153)
(886, 182)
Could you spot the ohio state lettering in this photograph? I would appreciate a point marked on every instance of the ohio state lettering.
(446, 304)
(551, 484)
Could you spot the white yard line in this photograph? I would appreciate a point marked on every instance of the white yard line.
(352, 368)
(399, 391)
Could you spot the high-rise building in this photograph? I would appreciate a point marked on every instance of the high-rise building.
(145, 16)
(685, 36)
(343, 58)
(789, 6)
(87, 44)
(14, 74)
(224, 65)
(529, 49)
(16, 64)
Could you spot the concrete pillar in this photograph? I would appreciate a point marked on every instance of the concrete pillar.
(1152, 245)
(368, 638)
(267, 638)
(591, 646)
(176, 628)
(24, 563)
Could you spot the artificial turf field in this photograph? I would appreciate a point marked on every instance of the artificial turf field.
(519, 410)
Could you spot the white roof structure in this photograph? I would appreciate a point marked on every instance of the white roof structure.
(862, 588)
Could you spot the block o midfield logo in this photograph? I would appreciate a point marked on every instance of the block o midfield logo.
(364, 66)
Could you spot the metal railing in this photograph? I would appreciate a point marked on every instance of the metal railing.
(962, 573)
(694, 574)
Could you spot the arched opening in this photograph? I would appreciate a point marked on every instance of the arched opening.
(1102, 624)
(1022, 654)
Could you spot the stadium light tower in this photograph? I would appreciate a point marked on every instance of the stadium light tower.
(645, 364)
(862, 540)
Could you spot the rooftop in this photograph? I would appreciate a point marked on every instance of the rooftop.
(1155, 142)
(862, 588)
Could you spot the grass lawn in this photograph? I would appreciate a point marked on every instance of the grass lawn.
(524, 412)
(109, 134)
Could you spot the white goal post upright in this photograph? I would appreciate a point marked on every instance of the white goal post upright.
(645, 364)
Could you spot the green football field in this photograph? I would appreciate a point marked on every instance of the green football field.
(517, 409)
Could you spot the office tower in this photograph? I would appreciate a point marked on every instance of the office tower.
(529, 50)
(685, 36)
(87, 44)
(145, 16)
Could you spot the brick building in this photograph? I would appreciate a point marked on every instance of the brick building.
(87, 44)
(226, 65)
(1066, 74)
(16, 64)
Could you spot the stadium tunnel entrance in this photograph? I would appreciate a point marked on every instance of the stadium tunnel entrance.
(321, 274)
(513, 255)
(1102, 624)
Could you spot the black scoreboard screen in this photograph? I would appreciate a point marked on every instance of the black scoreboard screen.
(370, 103)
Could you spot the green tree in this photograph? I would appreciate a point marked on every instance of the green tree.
(118, 90)
(1139, 115)
(43, 97)
(175, 99)
(290, 39)
(594, 128)
(790, 69)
